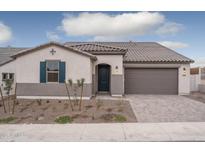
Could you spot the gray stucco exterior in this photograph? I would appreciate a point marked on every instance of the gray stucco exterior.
(54, 89)
(116, 85)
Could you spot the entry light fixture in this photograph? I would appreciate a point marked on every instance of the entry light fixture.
(184, 71)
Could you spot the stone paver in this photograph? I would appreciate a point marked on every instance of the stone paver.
(166, 108)
(193, 131)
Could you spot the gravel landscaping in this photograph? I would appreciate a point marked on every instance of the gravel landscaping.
(166, 108)
(105, 109)
(59, 111)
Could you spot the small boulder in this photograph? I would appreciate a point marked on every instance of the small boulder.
(40, 118)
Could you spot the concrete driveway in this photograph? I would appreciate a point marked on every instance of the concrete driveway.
(166, 108)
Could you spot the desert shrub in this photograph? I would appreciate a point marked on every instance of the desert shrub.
(59, 101)
(42, 115)
(39, 101)
(64, 119)
(75, 116)
(46, 108)
(6, 120)
(65, 106)
(47, 101)
(107, 117)
(109, 109)
(54, 109)
(93, 116)
(98, 104)
(17, 102)
(120, 110)
(119, 118)
(88, 107)
(23, 109)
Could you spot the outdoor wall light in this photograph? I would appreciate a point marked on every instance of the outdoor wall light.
(184, 71)
(116, 67)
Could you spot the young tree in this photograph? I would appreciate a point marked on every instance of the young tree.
(2, 99)
(8, 88)
(70, 81)
(74, 88)
(68, 93)
(81, 85)
(14, 102)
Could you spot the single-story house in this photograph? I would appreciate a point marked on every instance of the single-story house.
(115, 68)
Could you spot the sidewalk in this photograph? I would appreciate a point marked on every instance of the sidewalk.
(105, 132)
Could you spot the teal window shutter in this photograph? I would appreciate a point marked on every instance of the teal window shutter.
(61, 72)
(42, 72)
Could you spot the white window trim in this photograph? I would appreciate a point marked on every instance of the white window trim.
(52, 71)
(7, 76)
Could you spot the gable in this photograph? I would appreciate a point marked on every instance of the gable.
(77, 65)
(51, 52)
(43, 46)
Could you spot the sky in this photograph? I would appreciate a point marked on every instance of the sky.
(182, 31)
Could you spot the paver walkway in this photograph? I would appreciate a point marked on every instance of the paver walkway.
(104, 132)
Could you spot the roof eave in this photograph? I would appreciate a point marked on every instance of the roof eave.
(158, 62)
(23, 52)
(108, 53)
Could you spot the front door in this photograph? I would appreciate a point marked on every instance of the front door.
(103, 77)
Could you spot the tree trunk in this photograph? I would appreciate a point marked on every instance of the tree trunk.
(2, 98)
(81, 95)
(9, 104)
(71, 105)
(14, 102)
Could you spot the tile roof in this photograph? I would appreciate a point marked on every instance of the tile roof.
(7, 52)
(138, 52)
(144, 52)
(95, 48)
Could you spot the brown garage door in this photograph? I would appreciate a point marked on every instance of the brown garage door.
(151, 81)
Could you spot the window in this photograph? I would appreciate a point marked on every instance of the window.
(11, 76)
(52, 69)
(6, 76)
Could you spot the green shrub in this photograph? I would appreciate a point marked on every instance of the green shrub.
(6, 120)
(64, 119)
(119, 118)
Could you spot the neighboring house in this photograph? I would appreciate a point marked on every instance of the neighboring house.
(197, 79)
(114, 68)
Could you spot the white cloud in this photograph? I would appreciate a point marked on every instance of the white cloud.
(106, 25)
(5, 33)
(109, 38)
(169, 28)
(174, 45)
(52, 36)
(200, 62)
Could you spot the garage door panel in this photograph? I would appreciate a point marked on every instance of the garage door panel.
(151, 81)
